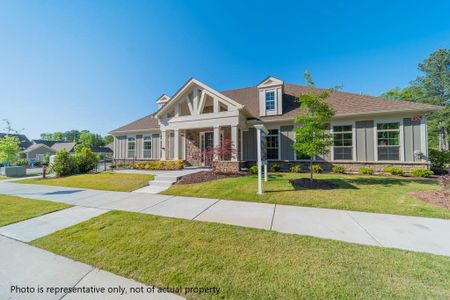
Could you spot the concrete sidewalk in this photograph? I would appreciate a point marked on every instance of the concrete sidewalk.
(402, 232)
(23, 266)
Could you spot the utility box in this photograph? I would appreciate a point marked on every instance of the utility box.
(14, 171)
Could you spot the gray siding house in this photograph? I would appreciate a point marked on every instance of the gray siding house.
(367, 130)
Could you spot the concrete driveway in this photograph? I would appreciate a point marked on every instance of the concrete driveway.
(402, 232)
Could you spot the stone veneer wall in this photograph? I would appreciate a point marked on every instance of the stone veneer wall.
(193, 146)
(226, 166)
(350, 166)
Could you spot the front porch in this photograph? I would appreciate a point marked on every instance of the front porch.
(202, 146)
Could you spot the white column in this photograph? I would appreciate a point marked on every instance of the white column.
(176, 144)
(241, 146)
(163, 145)
(234, 142)
(216, 139)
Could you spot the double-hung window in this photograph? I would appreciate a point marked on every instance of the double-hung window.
(388, 141)
(131, 147)
(270, 100)
(272, 144)
(343, 142)
(147, 146)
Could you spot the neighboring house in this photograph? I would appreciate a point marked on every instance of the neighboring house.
(103, 152)
(40, 148)
(24, 141)
(367, 130)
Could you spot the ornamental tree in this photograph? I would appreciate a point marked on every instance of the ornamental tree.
(9, 149)
(311, 137)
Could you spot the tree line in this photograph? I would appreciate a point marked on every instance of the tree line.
(84, 137)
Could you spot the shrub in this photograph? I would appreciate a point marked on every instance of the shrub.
(253, 169)
(275, 167)
(46, 159)
(21, 162)
(393, 170)
(295, 168)
(421, 172)
(113, 166)
(64, 164)
(315, 168)
(85, 159)
(366, 170)
(338, 169)
(439, 159)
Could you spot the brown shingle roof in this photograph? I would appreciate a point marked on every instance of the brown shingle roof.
(145, 123)
(343, 103)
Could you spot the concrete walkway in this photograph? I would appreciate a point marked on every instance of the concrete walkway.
(403, 232)
(23, 266)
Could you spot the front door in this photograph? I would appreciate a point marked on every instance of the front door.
(206, 147)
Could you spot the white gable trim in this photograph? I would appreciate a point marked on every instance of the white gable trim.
(191, 83)
(270, 82)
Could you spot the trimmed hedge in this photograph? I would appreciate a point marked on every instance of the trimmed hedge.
(153, 165)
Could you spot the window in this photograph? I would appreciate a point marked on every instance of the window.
(270, 100)
(272, 144)
(147, 146)
(388, 141)
(131, 147)
(343, 142)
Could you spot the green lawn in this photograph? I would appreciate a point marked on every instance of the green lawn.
(2, 177)
(247, 263)
(107, 181)
(15, 209)
(360, 193)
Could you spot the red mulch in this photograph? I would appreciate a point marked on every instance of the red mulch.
(306, 183)
(441, 198)
(204, 176)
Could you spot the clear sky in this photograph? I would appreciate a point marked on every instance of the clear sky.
(97, 65)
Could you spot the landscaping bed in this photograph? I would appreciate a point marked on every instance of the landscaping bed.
(107, 181)
(247, 263)
(205, 176)
(15, 209)
(441, 197)
(352, 192)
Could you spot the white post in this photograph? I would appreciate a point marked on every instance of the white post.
(216, 140)
(258, 145)
(176, 142)
(163, 145)
(265, 172)
(234, 142)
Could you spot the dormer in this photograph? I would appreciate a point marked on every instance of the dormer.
(161, 101)
(270, 97)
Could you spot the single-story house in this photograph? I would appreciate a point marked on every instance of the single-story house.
(24, 141)
(367, 130)
(40, 148)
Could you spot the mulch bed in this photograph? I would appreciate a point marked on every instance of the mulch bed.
(204, 176)
(441, 198)
(306, 183)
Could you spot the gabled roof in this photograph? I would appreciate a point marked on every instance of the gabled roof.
(70, 147)
(45, 142)
(189, 84)
(37, 146)
(24, 141)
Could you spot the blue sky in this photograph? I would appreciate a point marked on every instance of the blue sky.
(97, 65)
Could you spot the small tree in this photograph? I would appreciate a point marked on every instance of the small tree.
(311, 138)
(85, 159)
(64, 164)
(9, 149)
